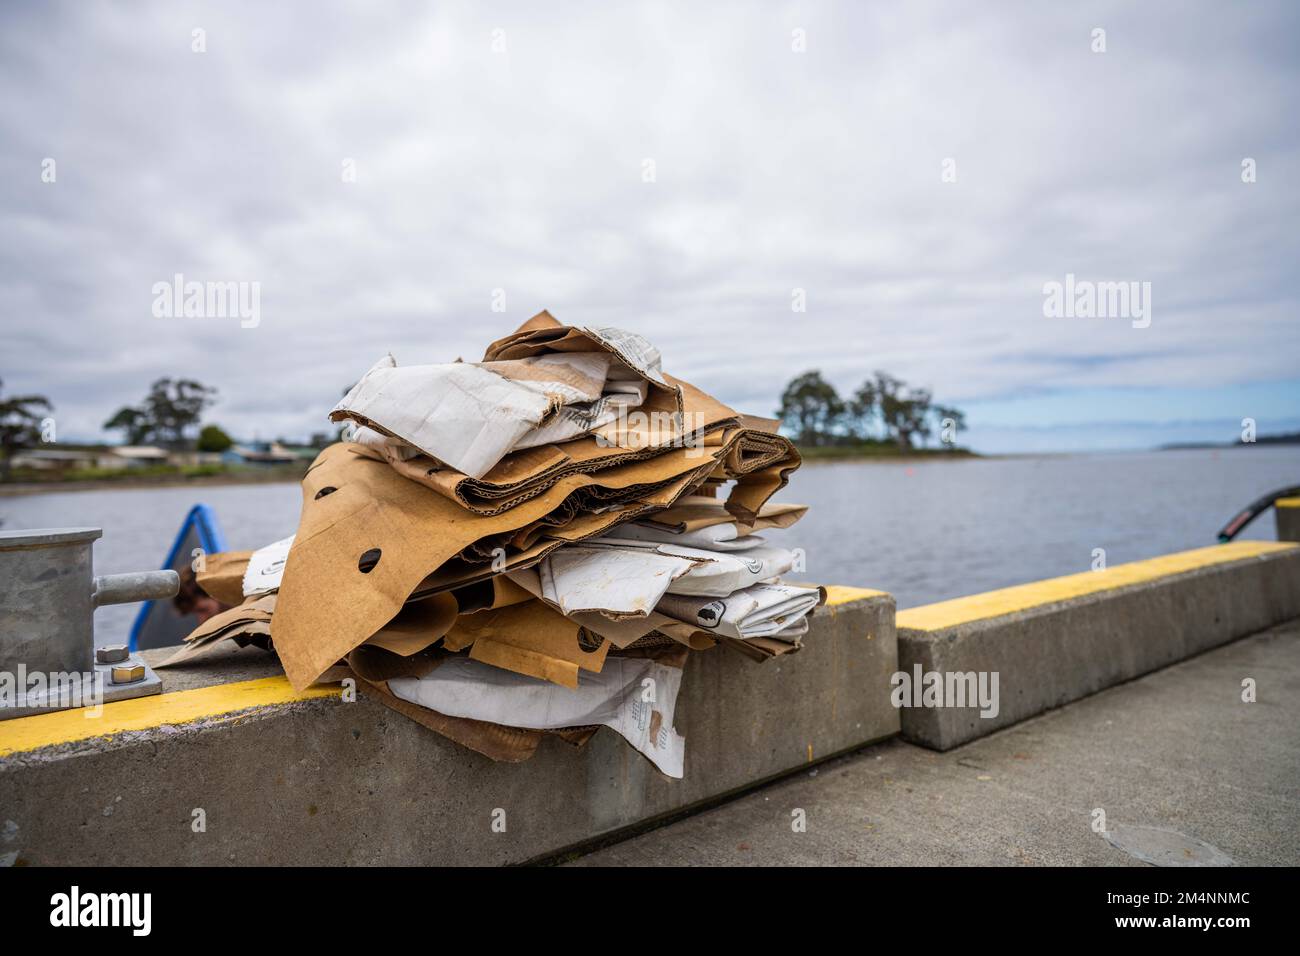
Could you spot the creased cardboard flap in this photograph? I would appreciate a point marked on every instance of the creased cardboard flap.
(250, 619)
(542, 333)
(222, 575)
(417, 625)
(695, 514)
(469, 416)
(366, 540)
(601, 458)
(531, 639)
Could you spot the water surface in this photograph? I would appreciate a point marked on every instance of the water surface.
(925, 531)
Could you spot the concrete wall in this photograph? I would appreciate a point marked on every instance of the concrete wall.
(308, 778)
(321, 781)
(1056, 641)
(1287, 513)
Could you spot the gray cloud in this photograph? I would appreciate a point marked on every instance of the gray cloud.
(522, 170)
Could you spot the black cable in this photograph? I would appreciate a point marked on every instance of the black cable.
(1253, 511)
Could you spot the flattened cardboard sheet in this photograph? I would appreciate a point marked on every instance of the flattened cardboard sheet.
(221, 575)
(530, 639)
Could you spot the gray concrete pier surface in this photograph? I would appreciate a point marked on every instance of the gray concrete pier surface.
(1141, 714)
(1184, 771)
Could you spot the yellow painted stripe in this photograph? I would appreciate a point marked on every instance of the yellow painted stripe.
(840, 594)
(1287, 503)
(978, 607)
(66, 726)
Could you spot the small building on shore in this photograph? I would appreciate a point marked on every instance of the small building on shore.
(134, 456)
(53, 458)
(260, 453)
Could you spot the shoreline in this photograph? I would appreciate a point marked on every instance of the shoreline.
(825, 453)
(19, 489)
(810, 456)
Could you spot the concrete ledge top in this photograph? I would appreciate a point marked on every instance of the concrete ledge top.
(841, 594)
(47, 538)
(1025, 597)
(24, 734)
(225, 682)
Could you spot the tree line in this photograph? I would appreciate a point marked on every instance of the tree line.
(20, 425)
(883, 409)
(169, 416)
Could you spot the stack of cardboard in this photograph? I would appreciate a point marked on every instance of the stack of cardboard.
(531, 544)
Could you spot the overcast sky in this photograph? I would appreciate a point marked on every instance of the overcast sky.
(505, 146)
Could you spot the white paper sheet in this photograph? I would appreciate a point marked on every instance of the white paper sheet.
(618, 397)
(620, 632)
(471, 415)
(763, 610)
(718, 537)
(625, 582)
(384, 444)
(634, 349)
(635, 697)
(621, 578)
(716, 573)
(266, 568)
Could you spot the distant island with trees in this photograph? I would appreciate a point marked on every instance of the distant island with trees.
(165, 439)
(884, 417)
(1286, 438)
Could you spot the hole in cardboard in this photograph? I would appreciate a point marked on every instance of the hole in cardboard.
(326, 491)
(367, 561)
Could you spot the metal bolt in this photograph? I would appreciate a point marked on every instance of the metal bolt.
(128, 673)
(112, 654)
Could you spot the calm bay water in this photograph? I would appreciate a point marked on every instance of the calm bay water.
(932, 531)
(925, 531)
